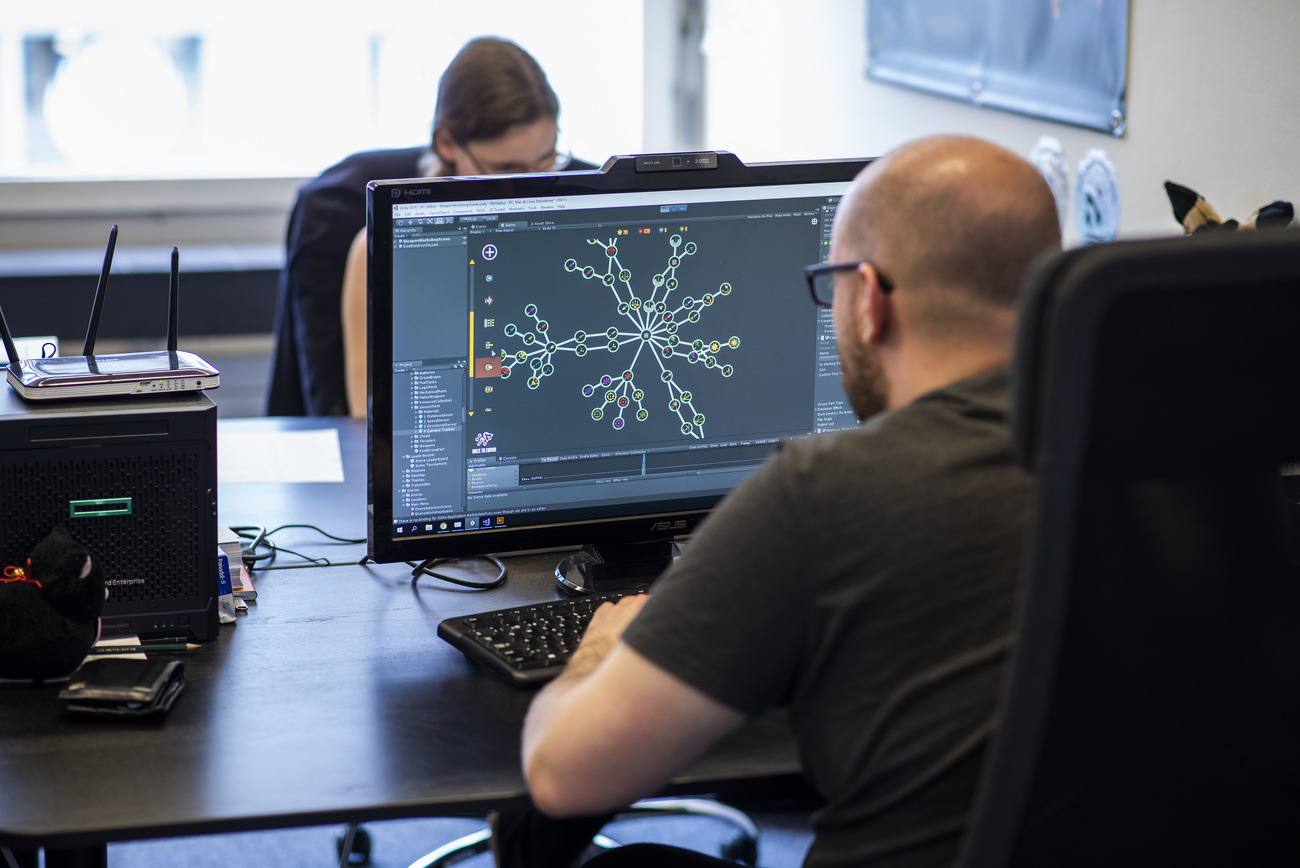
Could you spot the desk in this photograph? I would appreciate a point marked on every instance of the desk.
(331, 700)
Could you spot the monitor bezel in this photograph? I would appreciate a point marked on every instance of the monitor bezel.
(620, 174)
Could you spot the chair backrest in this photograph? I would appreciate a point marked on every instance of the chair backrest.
(1151, 713)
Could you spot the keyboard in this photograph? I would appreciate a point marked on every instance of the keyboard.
(526, 645)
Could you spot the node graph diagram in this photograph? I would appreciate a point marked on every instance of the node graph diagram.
(647, 326)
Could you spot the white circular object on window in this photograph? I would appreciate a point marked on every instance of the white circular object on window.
(1096, 198)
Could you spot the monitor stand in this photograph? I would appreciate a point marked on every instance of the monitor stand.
(629, 566)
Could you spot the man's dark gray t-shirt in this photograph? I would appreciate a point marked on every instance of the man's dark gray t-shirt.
(866, 579)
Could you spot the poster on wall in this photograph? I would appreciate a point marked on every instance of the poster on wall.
(1064, 60)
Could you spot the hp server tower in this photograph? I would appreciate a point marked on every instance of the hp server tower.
(135, 481)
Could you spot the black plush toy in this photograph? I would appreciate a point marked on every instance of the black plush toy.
(49, 609)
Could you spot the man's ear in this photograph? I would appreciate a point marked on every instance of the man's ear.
(873, 311)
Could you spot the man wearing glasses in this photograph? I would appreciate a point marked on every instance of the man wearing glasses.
(863, 577)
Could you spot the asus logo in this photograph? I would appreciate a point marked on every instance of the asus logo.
(659, 526)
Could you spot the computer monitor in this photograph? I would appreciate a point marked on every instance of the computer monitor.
(591, 358)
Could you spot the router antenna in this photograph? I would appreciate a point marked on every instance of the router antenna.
(9, 343)
(174, 301)
(93, 330)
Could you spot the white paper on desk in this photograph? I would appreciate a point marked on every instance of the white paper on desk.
(279, 456)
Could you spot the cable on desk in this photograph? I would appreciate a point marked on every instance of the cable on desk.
(261, 539)
(425, 568)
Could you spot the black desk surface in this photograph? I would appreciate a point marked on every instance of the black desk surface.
(331, 700)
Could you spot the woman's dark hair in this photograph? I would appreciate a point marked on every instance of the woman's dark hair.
(490, 86)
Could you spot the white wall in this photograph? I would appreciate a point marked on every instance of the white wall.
(1213, 100)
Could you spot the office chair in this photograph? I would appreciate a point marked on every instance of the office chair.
(1152, 708)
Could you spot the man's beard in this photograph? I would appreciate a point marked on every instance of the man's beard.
(864, 379)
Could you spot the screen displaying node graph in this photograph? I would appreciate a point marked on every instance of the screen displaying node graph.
(665, 333)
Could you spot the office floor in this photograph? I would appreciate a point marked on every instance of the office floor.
(783, 841)
(244, 363)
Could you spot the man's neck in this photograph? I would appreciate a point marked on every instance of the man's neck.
(927, 368)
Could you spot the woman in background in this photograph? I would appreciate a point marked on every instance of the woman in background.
(495, 113)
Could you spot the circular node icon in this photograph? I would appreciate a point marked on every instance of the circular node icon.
(610, 396)
(547, 370)
(490, 252)
(580, 349)
(675, 240)
(668, 316)
(661, 307)
(533, 382)
(618, 423)
(542, 326)
(688, 303)
(535, 364)
(588, 391)
(521, 356)
(710, 362)
(692, 357)
(529, 338)
(690, 248)
(668, 352)
(666, 376)
(674, 404)
(606, 379)
(697, 344)
(579, 336)
(627, 376)
(588, 272)
(686, 397)
(638, 395)
(531, 310)
(724, 289)
(510, 330)
(671, 283)
(598, 414)
(686, 427)
(727, 370)
(611, 250)
(657, 280)
(714, 347)
(608, 280)
(634, 303)
(673, 340)
(674, 261)
(570, 265)
(645, 335)
(708, 298)
(672, 328)
(695, 316)
(623, 401)
(550, 347)
(734, 342)
(623, 308)
(611, 332)
(505, 373)
(642, 415)
(699, 419)
(625, 275)
(613, 346)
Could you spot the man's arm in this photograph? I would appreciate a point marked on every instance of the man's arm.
(614, 727)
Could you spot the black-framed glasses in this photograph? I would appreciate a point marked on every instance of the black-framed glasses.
(821, 280)
(552, 162)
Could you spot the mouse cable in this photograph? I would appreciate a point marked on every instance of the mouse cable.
(425, 568)
(261, 539)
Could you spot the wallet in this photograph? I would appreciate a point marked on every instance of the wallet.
(114, 687)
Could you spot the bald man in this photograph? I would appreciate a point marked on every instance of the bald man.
(864, 578)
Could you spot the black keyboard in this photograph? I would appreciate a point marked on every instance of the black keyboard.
(526, 645)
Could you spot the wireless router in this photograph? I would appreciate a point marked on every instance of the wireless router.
(91, 376)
